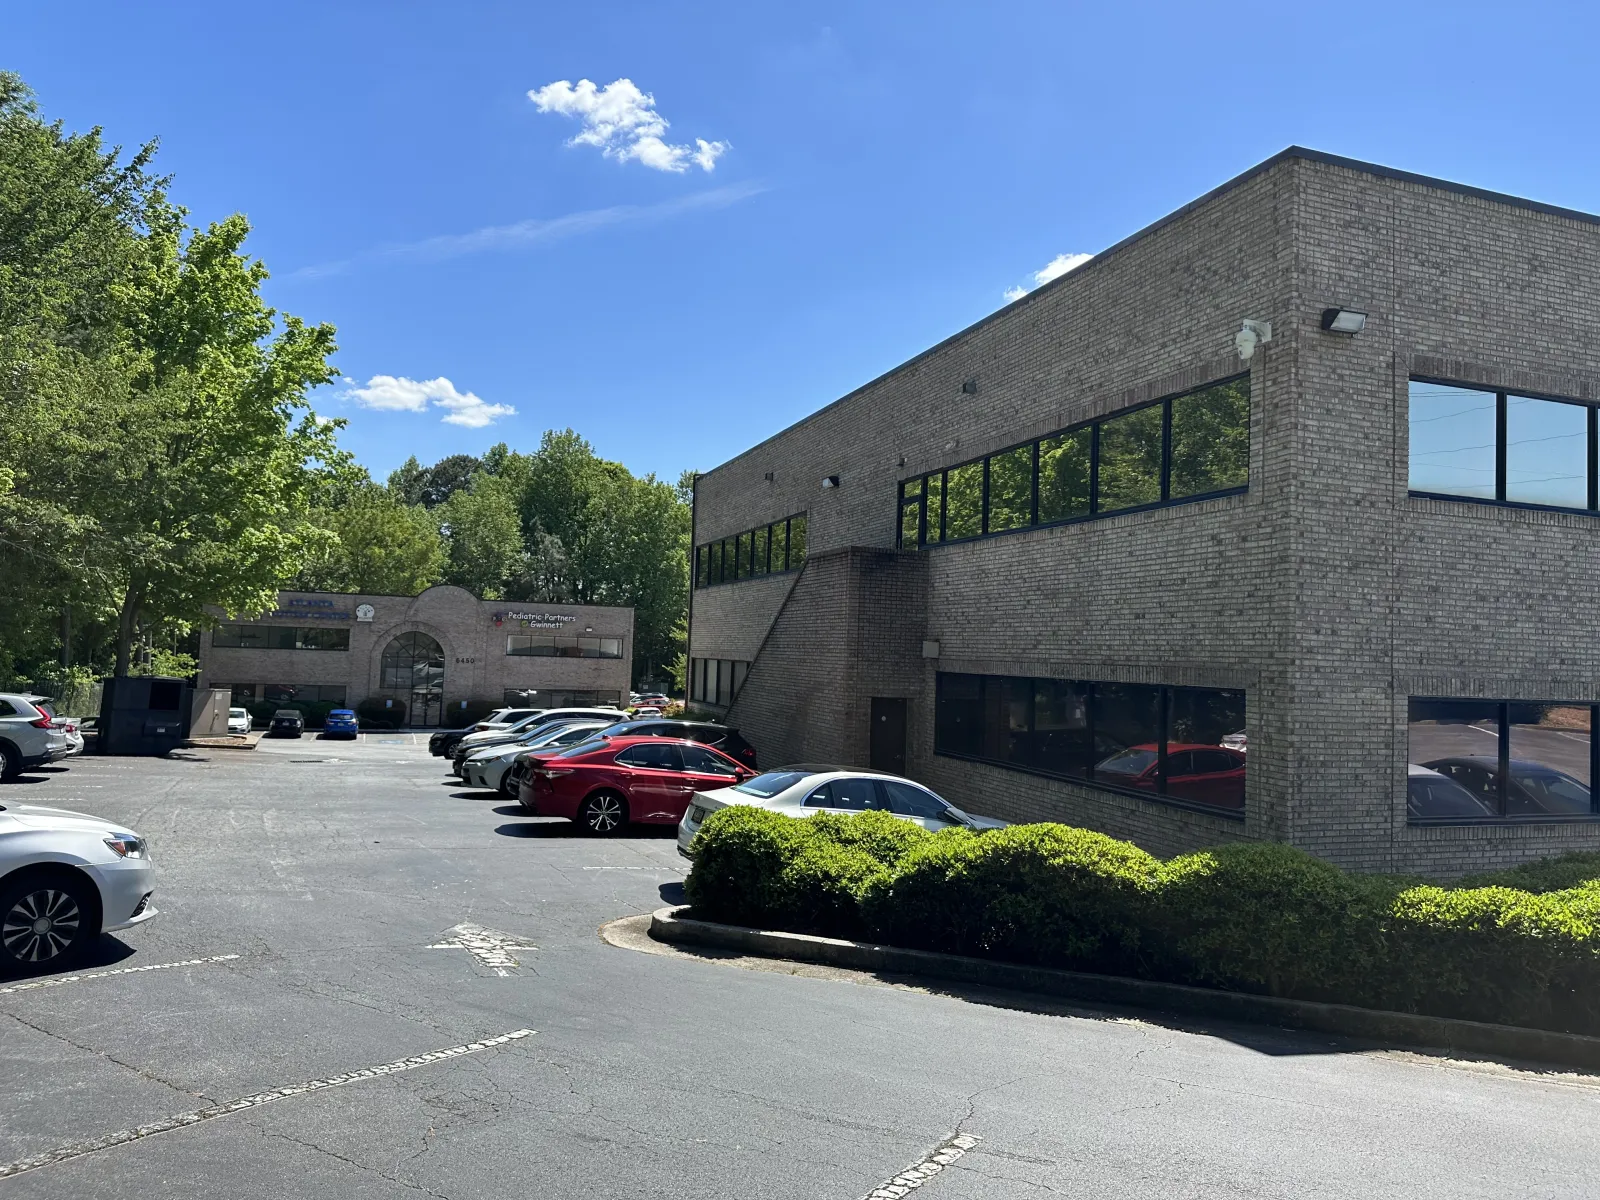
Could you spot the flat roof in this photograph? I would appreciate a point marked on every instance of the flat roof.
(1284, 155)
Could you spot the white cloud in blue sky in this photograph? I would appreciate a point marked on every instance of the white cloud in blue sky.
(1054, 269)
(622, 123)
(396, 393)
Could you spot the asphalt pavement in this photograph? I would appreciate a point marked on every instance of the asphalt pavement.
(368, 981)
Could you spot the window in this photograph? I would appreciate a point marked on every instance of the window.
(1130, 460)
(552, 645)
(279, 637)
(766, 550)
(851, 795)
(652, 756)
(716, 680)
(243, 693)
(1170, 743)
(770, 784)
(1468, 443)
(905, 800)
(1490, 760)
(413, 662)
(703, 762)
(1183, 448)
(304, 693)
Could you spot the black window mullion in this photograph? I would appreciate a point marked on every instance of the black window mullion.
(983, 506)
(1504, 766)
(1033, 493)
(1500, 446)
(1166, 462)
(1094, 468)
(1594, 458)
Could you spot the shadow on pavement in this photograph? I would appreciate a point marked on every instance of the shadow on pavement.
(475, 795)
(27, 776)
(551, 828)
(672, 893)
(108, 951)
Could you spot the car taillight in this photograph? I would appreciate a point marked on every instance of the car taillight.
(548, 773)
(41, 723)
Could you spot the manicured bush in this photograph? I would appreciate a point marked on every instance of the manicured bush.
(1033, 893)
(1265, 917)
(1546, 875)
(740, 855)
(381, 712)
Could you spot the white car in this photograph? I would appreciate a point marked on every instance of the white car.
(804, 791)
(29, 735)
(490, 768)
(66, 878)
(73, 728)
(544, 716)
(238, 720)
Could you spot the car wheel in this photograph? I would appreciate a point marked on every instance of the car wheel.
(10, 762)
(45, 919)
(508, 786)
(604, 814)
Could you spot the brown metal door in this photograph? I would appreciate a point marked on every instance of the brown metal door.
(887, 744)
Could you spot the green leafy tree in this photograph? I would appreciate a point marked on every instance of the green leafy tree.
(384, 547)
(483, 535)
(412, 483)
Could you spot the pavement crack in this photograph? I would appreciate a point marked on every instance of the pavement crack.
(346, 1159)
(112, 1058)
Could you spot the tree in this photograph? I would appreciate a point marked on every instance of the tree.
(431, 486)
(384, 547)
(483, 535)
(139, 362)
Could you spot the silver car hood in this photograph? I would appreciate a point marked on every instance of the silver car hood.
(33, 816)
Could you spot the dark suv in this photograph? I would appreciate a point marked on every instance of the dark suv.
(287, 722)
(706, 733)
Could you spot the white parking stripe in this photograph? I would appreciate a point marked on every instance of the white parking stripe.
(182, 1120)
(924, 1169)
(59, 980)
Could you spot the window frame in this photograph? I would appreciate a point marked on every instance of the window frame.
(1503, 755)
(935, 531)
(1159, 795)
(1501, 397)
(733, 559)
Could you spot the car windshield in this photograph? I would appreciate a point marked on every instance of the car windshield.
(1129, 762)
(770, 783)
(1553, 791)
(1434, 795)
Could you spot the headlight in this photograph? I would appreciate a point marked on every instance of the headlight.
(126, 845)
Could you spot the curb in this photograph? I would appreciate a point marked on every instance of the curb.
(217, 744)
(1409, 1029)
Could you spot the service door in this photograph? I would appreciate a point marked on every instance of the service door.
(886, 747)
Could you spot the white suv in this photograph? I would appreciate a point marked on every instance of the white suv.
(29, 735)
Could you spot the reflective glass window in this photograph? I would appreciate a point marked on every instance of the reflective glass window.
(1549, 760)
(1130, 459)
(702, 566)
(1011, 489)
(1211, 771)
(908, 800)
(1547, 452)
(1007, 719)
(758, 551)
(780, 545)
(610, 647)
(797, 542)
(1127, 726)
(964, 501)
(1211, 440)
(1452, 440)
(910, 524)
(1460, 741)
(935, 505)
(958, 719)
(1061, 743)
(1064, 475)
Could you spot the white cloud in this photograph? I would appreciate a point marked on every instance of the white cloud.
(392, 393)
(622, 123)
(1054, 269)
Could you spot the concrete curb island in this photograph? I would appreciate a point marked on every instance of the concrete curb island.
(1409, 1029)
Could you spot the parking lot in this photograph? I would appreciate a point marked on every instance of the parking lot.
(368, 981)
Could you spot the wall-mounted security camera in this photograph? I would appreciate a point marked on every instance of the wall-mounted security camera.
(831, 481)
(1251, 334)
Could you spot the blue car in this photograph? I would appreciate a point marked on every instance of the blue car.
(340, 723)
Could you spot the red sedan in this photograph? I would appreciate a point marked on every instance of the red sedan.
(605, 783)
(1209, 775)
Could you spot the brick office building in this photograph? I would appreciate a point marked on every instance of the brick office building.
(430, 651)
(1086, 561)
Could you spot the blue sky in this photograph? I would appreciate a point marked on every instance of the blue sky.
(880, 175)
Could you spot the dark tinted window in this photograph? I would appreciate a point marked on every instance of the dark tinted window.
(958, 723)
(910, 801)
(655, 757)
(851, 795)
(704, 762)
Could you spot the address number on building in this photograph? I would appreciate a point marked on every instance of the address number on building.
(459, 661)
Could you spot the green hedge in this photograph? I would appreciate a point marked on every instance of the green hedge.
(1257, 917)
(458, 715)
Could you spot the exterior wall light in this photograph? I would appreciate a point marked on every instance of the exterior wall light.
(831, 481)
(1343, 320)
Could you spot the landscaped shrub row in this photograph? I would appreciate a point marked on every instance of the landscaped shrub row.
(1257, 917)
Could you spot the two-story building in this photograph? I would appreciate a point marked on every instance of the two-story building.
(1276, 520)
(445, 647)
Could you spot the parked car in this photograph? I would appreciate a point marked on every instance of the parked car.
(1209, 775)
(340, 723)
(238, 720)
(29, 736)
(646, 710)
(707, 733)
(500, 737)
(73, 728)
(1532, 789)
(495, 767)
(606, 783)
(442, 742)
(286, 722)
(1432, 794)
(66, 878)
(807, 789)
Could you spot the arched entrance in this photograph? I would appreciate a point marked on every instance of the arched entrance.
(413, 663)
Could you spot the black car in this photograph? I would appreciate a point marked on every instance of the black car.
(442, 743)
(707, 733)
(286, 722)
(1532, 789)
